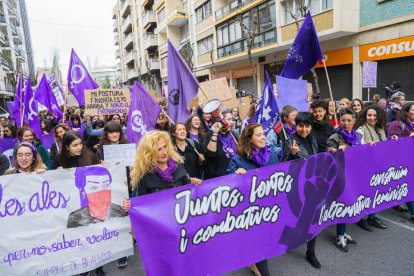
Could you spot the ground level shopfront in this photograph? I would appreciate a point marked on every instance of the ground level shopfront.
(391, 47)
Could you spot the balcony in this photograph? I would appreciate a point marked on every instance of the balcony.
(163, 48)
(147, 3)
(178, 16)
(229, 8)
(128, 43)
(9, 88)
(125, 8)
(2, 39)
(132, 74)
(129, 57)
(2, 19)
(115, 26)
(117, 55)
(127, 25)
(149, 18)
(162, 26)
(115, 12)
(154, 63)
(116, 40)
(5, 62)
(150, 41)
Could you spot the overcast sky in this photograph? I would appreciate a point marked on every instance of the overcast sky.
(85, 25)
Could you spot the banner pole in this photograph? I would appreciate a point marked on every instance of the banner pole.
(168, 117)
(22, 106)
(65, 100)
(330, 90)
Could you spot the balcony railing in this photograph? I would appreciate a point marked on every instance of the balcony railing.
(129, 57)
(131, 74)
(154, 63)
(117, 54)
(150, 40)
(148, 18)
(116, 40)
(2, 19)
(127, 41)
(9, 88)
(126, 24)
(115, 26)
(233, 5)
(125, 8)
(5, 61)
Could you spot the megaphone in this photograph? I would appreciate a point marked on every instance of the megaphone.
(213, 108)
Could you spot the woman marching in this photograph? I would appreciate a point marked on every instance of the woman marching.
(26, 159)
(59, 131)
(302, 146)
(157, 166)
(345, 136)
(26, 134)
(252, 153)
(371, 124)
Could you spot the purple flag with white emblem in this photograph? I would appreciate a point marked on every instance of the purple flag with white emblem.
(45, 96)
(182, 86)
(305, 51)
(79, 79)
(143, 113)
(31, 110)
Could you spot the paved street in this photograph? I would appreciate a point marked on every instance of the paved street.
(382, 252)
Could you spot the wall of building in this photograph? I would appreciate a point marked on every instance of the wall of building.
(373, 11)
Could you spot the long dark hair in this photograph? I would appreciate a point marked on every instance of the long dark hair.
(64, 126)
(13, 129)
(381, 116)
(86, 158)
(201, 132)
(109, 128)
(405, 109)
(244, 145)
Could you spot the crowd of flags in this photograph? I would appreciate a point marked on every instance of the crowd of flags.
(303, 55)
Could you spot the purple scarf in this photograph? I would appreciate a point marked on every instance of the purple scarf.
(229, 145)
(261, 157)
(408, 122)
(167, 174)
(289, 131)
(193, 136)
(351, 138)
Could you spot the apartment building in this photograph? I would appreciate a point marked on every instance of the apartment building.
(16, 51)
(214, 37)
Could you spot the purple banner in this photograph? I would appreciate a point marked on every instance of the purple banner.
(48, 139)
(231, 222)
(7, 146)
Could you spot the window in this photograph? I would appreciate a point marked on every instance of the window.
(316, 6)
(203, 11)
(267, 16)
(205, 45)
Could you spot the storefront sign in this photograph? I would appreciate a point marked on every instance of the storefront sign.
(395, 48)
(223, 74)
(337, 57)
(244, 72)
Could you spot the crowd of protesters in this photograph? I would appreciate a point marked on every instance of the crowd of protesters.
(204, 147)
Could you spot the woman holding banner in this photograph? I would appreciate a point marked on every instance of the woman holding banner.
(74, 154)
(404, 127)
(26, 134)
(303, 145)
(59, 131)
(344, 136)
(252, 153)
(26, 159)
(371, 124)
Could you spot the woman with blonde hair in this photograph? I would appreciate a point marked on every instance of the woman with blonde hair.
(157, 166)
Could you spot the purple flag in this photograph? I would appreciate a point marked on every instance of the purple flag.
(18, 102)
(45, 96)
(48, 139)
(182, 86)
(230, 222)
(31, 110)
(305, 51)
(79, 79)
(10, 105)
(143, 113)
(7, 147)
(268, 111)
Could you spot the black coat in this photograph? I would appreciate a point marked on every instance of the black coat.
(321, 135)
(300, 142)
(151, 182)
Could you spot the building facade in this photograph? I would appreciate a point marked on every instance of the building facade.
(104, 74)
(242, 39)
(15, 43)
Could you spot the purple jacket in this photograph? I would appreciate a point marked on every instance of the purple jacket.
(399, 129)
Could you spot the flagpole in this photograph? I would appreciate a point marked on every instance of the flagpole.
(22, 107)
(330, 89)
(168, 117)
(64, 104)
